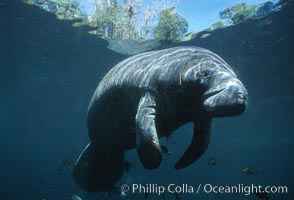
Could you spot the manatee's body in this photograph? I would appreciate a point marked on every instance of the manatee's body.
(148, 96)
(115, 102)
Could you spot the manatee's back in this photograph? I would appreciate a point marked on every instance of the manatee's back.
(114, 103)
(145, 70)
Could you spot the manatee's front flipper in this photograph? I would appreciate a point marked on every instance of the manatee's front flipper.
(98, 170)
(198, 145)
(147, 143)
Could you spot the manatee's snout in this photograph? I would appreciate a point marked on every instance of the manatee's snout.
(237, 98)
(226, 99)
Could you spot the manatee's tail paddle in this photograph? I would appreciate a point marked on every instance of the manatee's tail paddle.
(98, 170)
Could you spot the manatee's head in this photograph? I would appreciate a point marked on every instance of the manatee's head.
(222, 93)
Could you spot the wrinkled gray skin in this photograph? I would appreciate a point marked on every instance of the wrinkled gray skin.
(148, 96)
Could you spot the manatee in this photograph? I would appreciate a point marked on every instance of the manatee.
(148, 96)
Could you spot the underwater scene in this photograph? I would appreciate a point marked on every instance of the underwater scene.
(146, 99)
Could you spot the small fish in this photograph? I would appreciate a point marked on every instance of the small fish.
(165, 150)
(108, 193)
(64, 164)
(129, 165)
(67, 162)
(177, 196)
(249, 170)
(211, 162)
(51, 183)
(262, 194)
(75, 197)
(146, 195)
(123, 194)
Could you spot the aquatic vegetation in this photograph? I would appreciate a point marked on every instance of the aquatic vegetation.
(262, 194)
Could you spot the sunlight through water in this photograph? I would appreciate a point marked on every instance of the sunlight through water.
(134, 26)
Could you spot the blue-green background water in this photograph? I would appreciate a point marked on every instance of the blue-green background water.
(49, 70)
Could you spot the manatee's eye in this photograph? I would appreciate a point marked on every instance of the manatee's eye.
(206, 72)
